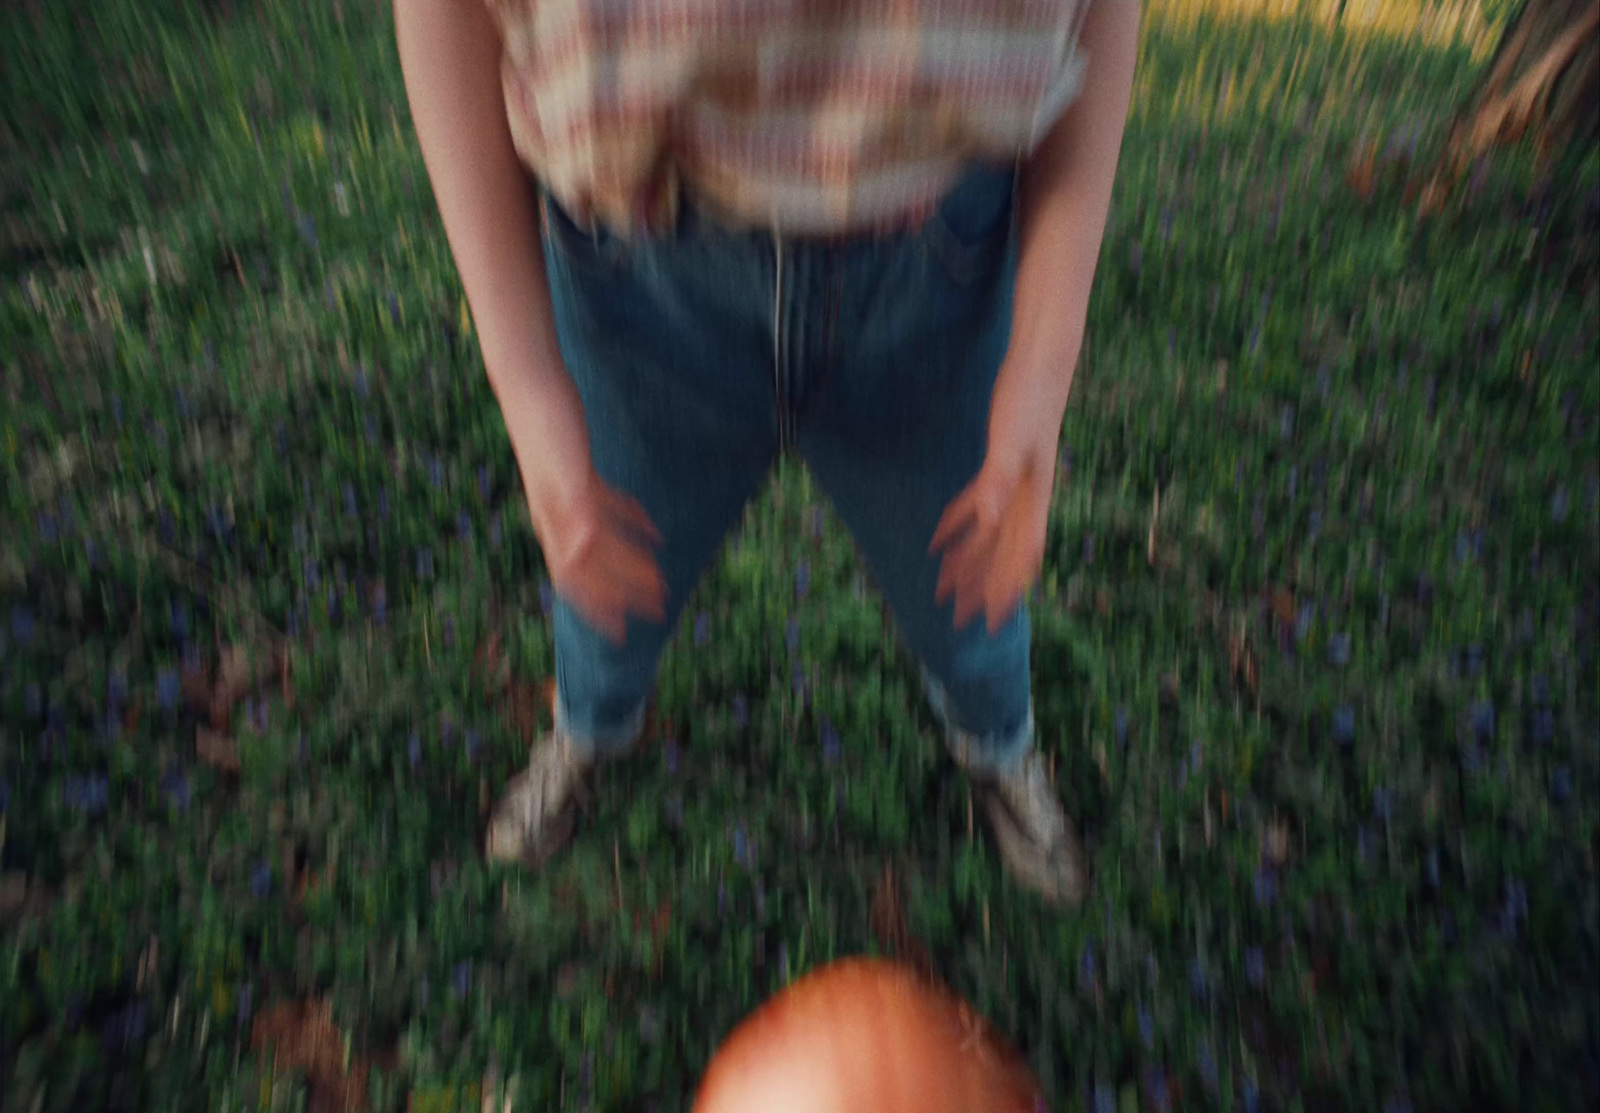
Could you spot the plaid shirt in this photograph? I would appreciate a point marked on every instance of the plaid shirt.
(803, 116)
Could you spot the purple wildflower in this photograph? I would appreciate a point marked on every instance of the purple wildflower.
(669, 755)
(1119, 726)
(1561, 784)
(802, 580)
(832, 744)
(414, 749)
(702, 629)
(1302, 621)
(473, 743)
(89, 794)
(791, 634)
(167, 688)
(1482, 717)
(1344, 724)
(1365, 843)
(261, 880)
(1265, 887)
(461, 978)
(1155, 1084)
(175, 787)
(1147, 1028)
(1208, 1065)
(1339, 650)
(741, 711)
(1559, 505)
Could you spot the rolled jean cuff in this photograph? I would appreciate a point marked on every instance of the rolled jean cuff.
(995, 754)
(590, 743)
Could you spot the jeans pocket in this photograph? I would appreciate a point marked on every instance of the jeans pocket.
(970, 230)
(596, 254)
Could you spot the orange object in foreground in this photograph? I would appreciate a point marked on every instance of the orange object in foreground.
(866, 1035)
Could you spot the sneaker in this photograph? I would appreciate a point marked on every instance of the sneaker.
(1036, 840)
(536, 815)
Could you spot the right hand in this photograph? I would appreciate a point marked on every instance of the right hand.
(599, 546)
(598, 542)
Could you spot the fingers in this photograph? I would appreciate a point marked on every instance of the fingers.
(958, 517)
(989, 565)
(617, 578)
(641, 588)
(963, 565)
(632, 515)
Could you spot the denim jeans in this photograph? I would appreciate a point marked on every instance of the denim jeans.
(703, 352)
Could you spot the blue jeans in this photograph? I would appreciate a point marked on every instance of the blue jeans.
(702, 353)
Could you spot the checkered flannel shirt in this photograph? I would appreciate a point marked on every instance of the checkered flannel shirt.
(805, 117)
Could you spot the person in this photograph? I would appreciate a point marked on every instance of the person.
(696, 236)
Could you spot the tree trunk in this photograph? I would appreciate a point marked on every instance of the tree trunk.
(1543, 81)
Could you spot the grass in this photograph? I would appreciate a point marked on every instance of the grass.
(1315, 649)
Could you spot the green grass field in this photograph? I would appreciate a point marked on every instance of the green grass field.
(1315, 649)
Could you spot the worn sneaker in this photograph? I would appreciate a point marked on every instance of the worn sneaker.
(1036, 840)
(536, 815)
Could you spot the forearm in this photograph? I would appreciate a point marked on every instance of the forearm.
(450, 59)
(1066, 194)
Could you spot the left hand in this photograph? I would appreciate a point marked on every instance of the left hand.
(992, 535)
